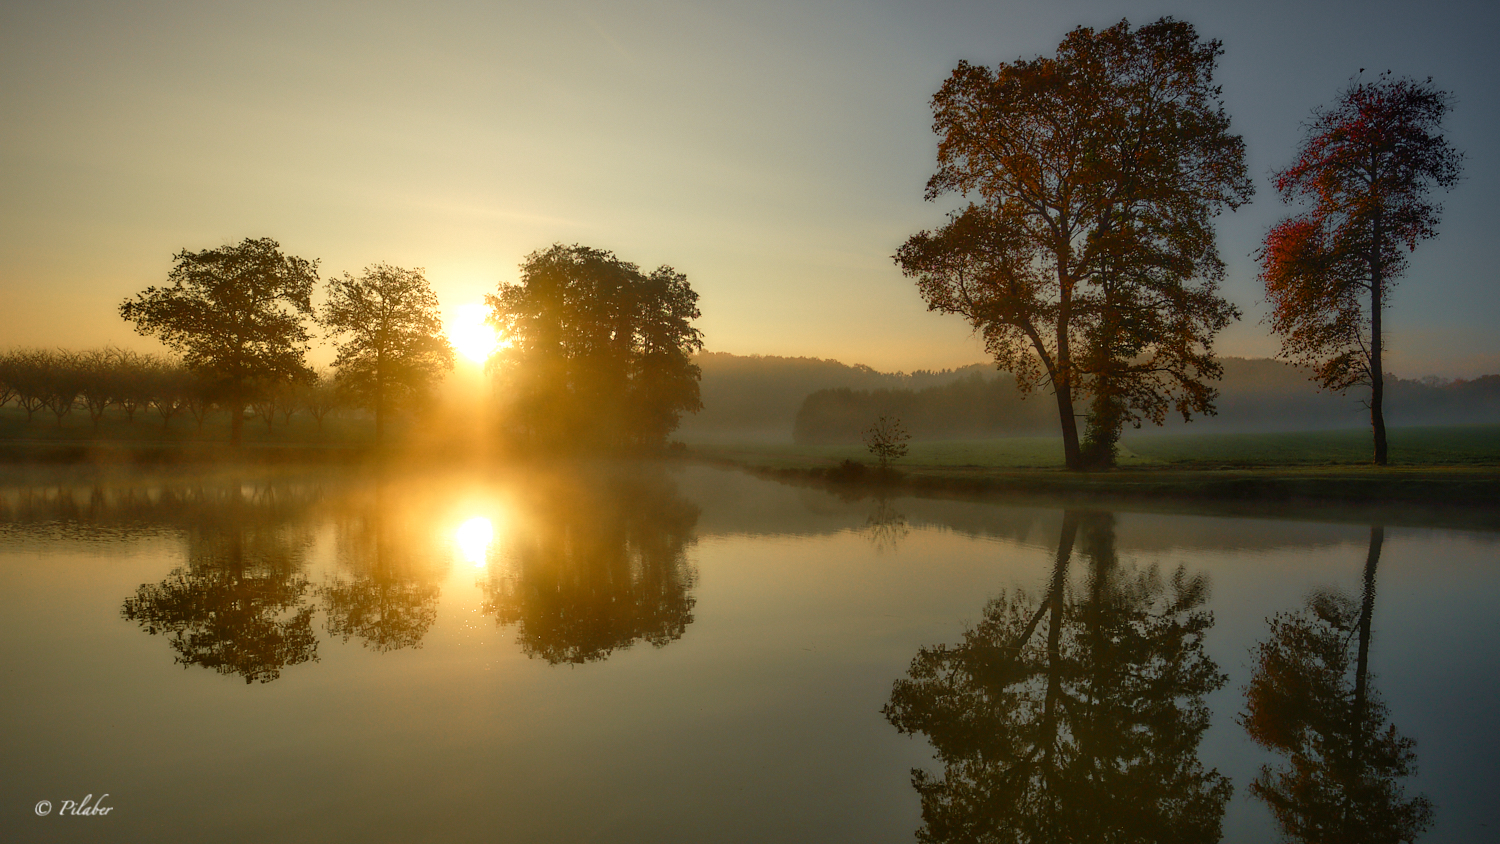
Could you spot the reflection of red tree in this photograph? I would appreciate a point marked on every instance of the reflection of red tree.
(1344, 760)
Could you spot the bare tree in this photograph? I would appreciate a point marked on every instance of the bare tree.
(886, 439)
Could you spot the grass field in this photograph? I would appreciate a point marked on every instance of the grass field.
(1463, 445)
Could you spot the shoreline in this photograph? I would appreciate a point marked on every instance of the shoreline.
(1430, 496)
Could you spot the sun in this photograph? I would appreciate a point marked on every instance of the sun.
(474, 537)
(470, 336)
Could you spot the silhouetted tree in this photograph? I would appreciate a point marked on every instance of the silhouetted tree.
(1367, 164)
(602, 565)
(1089, 263)
(389, 598)
(1344, 758)
(600, 354)
(8, 391)
(133, 379)
(63, 377)
(886, 439)
(321, 397)
(171, 386)
(1076, 717)
(389, 337)
(235, 314)
(26, 373)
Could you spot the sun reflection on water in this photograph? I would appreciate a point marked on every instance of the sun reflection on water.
(474, 537)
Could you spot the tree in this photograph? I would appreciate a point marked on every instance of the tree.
(392, 348)
(322, 397)
(886, 439)
(235, 314)
(63, 380)
(1089, 262)
(600, 354)
(1367, 164)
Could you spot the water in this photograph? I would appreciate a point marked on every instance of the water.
(688, 654)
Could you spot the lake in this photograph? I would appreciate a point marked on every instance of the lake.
(659, 654)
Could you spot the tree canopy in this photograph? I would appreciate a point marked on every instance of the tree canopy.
(235, 314)
(1088, 258)
(600, 354)
(391, 347)
(1367, 164)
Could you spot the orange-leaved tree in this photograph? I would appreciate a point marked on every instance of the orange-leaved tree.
(1087, 256)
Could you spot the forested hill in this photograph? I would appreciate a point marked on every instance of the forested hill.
(757, 396)
(818, 401)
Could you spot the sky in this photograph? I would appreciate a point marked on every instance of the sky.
(775, 152)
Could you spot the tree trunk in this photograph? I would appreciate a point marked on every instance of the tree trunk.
(1062, 376)
(1072, 454)
(1377, 379)
(379, 397)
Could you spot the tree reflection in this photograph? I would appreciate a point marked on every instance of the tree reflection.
(1073, 717)
(886, 526)
(1344, 759)
(391, 598)
(597, 564)
(238, 606)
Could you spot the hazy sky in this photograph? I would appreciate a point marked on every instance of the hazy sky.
(773, 151)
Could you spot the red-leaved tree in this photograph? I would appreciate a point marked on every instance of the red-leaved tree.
(1367, 165)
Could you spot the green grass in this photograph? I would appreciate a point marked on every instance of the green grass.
(1475, 445)
(1446, 445)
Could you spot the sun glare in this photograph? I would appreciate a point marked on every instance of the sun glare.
(470, 336)
(474, 538)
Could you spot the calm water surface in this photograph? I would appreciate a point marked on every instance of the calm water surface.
(646, 654)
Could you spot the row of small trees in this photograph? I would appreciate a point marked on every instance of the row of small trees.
(92, 381)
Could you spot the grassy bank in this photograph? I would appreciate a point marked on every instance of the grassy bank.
(1434, 469)
(1459, 445)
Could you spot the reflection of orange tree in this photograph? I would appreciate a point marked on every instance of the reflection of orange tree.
(602, 566)
(391, 597)
(1344, 758)
(1076, 717)
(238, 606)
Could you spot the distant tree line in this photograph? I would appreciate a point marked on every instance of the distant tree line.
(758, 396)
(1259, 394)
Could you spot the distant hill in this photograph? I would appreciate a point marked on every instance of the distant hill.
(812, 400)
(756, 397)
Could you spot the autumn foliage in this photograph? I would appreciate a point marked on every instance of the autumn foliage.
(1366, 166)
